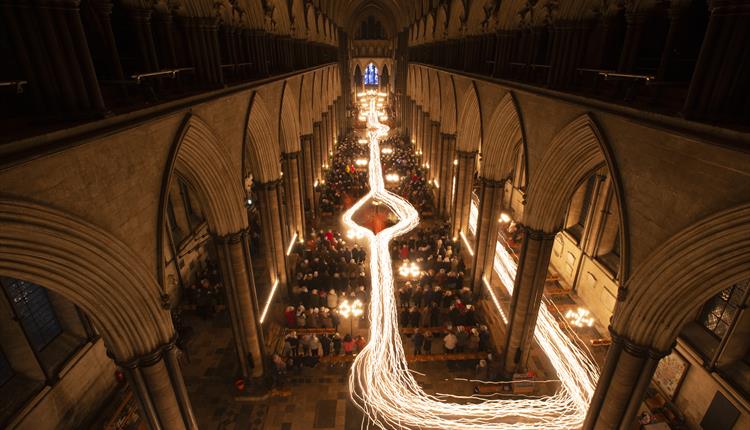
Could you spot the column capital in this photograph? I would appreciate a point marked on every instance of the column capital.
(536, 234)
(491, 183)
(448, 135)
(636, 349)
(290, 155)
(306, 137)
(466, 154)
(728, 7)
(147, 359)
(269, 185)
(232, 237)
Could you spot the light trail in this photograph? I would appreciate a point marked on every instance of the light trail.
(380, 381)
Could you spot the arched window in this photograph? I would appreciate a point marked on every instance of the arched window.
(371, 74)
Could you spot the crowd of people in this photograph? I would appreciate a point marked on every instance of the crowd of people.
(412, 182)
(345, 182)
(326, 272)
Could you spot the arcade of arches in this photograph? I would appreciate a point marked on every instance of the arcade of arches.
(173, 175)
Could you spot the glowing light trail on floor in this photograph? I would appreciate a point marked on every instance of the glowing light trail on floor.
(385, 389)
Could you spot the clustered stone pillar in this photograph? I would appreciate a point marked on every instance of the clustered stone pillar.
(272, 219)
(317, 150)
(464, 181)
(622, 384)
(426, 138)
(418, 134)
(308, 173)
(293, 187)
(156, 381)
(490, 204)
(242, 301)
(434, 155)
(446, 172)
(527, 297)
(54, 55)
(325, 134)
(719, 85)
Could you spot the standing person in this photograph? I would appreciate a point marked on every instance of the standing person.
(463, 339)
(336, 341)
(361, 342)
(427, 344)
(484, 339)
(348, 345)
(449, 342)
(315, 346)
(418, 342)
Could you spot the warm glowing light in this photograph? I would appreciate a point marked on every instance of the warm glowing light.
(436, 183)
(387, 150)
(362, 141)
(354, 234)
(409, 269)
(466, 242)
(504, 217)
(291, 244)
(355, 309)
(380, 382)
(392, 177)
(268, 301)
(579, 318)
(360, 162)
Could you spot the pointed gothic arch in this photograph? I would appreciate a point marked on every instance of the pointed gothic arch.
(260, 144)
(504, 134)
(89, 267)
(289, 124)
(469, 131)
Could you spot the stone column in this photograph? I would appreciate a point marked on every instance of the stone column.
(272, 219)
(490, 204)
(426, 139)
(317, 151)
(633, 35)
(677, 14)
(622, 384)
(156, 381)
(308, 173)
(718, 88)
(290, 164)
(419, 132)
(464, 181)
(435, 150)
(527, 296)
(445, 173)
(325, 133)
(242, 300)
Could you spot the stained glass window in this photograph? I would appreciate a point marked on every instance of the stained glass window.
(34, 310)
(371, 75)
(717, 314)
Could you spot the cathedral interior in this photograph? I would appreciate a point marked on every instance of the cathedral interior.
(375, 214)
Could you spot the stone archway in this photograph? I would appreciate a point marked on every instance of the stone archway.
(112, 285)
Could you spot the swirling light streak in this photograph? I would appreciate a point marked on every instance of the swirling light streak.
(380, 381)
